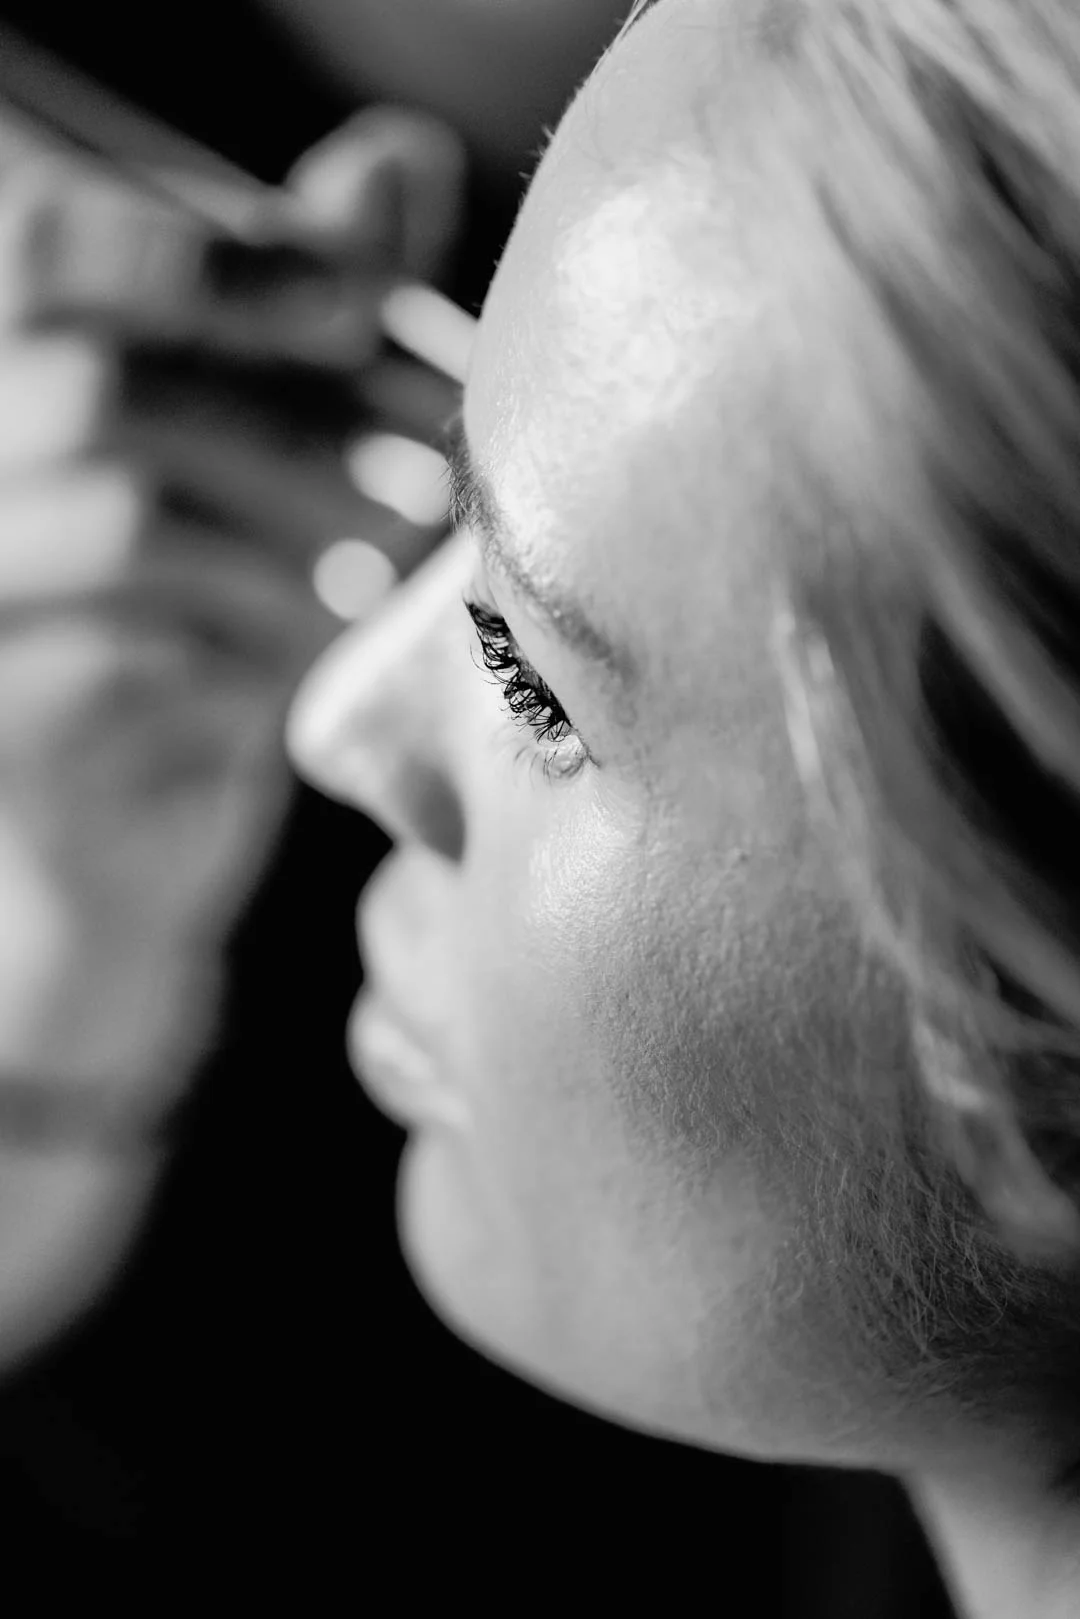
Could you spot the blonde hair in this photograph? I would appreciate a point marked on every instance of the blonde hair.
(933, 674)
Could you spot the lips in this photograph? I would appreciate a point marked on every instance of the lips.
(395, 1070)
(397, 1031)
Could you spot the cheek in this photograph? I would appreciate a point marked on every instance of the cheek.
(544, 903)
(606, 1226)
(544, 959)
(614, 1004)
(598, 997)
(556, 962)
(558, 1228)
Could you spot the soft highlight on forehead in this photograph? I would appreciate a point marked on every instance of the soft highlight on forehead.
(623, 278)
(658, 201)
(630, 400)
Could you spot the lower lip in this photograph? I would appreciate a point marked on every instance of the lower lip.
(393, 1071)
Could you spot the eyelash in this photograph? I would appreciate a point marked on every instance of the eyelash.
(531, 702)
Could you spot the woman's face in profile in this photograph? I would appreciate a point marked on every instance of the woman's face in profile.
(610, 962)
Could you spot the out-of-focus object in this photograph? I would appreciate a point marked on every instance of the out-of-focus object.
(66, 110)
(42, 97)
(498, 71)
(352, 578)
(421, 320)
(409, 477)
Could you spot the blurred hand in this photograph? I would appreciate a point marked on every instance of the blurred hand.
(174, 412)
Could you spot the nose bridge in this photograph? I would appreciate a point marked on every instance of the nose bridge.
(369, 724)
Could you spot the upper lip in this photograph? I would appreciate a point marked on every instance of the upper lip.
(404, 1081)
(380, 985)
(375, 995)
(379, 989)
(398, 936)
(371, 1004)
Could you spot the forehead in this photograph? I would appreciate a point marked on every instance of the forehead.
(624, 398)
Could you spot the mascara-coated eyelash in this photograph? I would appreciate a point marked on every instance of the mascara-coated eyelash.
(532, 703)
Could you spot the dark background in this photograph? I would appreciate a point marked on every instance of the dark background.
(263, 1396)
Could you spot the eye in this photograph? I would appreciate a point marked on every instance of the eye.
(531, 702)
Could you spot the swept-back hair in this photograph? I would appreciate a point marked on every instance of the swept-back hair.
(933, 671)
(930, 658)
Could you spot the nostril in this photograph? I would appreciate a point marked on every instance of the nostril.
(439, 822)
(390, 779)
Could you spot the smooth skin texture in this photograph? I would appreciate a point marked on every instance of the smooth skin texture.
(635, 983)
(657, 1059)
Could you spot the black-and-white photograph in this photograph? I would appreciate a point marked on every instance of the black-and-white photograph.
(539, 808)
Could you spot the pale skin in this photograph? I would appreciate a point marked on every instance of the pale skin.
(628, 984)
(632, 990)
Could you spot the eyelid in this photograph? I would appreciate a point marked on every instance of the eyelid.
(527, 696)
(481, 590)
(494, 562)
(485, 598)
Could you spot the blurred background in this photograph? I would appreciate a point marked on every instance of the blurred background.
(263, 1395)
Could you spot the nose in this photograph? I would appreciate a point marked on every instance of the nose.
(371, 724)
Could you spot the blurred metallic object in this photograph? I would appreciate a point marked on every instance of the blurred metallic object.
(60, 108)
(409, 477)
(352, 577)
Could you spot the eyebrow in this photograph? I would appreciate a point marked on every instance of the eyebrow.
(473, 503)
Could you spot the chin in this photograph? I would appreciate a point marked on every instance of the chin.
(763, 1412)
(462, 1276)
